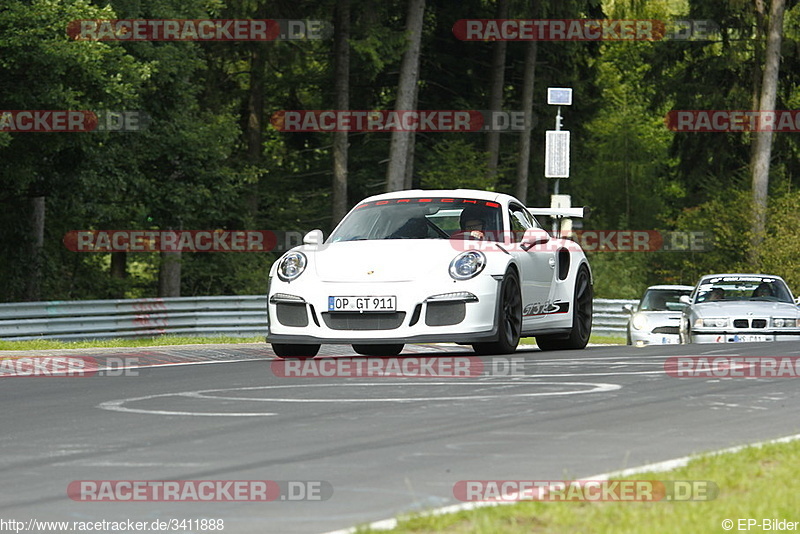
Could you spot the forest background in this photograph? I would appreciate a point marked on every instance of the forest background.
(211, 159)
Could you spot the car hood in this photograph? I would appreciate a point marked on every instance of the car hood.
(664, 317)
(391, 260)
(744, 307)
(660, 313)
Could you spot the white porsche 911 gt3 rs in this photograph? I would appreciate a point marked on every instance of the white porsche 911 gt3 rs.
(463, 266)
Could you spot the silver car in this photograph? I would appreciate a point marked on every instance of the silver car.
(731, 308)
(657, 318)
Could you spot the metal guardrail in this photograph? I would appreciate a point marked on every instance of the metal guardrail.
(609, 319)
(239, 316)
(243, 316)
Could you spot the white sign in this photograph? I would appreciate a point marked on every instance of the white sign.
(559, 96)
(556, 159)
(560, 201)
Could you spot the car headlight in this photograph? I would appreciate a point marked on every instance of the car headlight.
(291, 266)
(639, 321)
(780, 322)
(467, 264)
(714, 322)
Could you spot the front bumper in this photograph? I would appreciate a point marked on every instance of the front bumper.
(746, 336)
(641, 339)
(299, 314)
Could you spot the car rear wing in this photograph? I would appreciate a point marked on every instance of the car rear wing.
(560, 212)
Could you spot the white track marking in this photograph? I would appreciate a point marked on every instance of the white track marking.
(208, 394)
(596, 388)
(117, 406)
(660, 372)
(724, 405)
(88, 463)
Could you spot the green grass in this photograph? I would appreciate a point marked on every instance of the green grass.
(757, 482)
(607, 340)
(44, 344)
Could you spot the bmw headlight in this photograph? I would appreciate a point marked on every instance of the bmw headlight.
(715, 322)
(467, 264)
(779, 322)
(291, 266)
(639, 321)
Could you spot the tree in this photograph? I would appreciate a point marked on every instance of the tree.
(524, 158)
(496, 86)
(763, 139)
(44, 69)
(341, 48)
(406, 90)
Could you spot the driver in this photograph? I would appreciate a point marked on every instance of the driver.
(764, 289)
(658, 303)
(473, 221)
(716, 294)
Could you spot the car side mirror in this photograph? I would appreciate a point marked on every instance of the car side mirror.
(685, 299)
(314, 237)
(533, 237)
(628, 308)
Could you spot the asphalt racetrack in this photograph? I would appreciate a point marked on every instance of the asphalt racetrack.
(367, 448)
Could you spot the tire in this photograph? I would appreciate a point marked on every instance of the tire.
(379, 350)
(509, 318)
(581, 318)
(285, 350)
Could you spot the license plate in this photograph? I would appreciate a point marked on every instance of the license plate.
(362, 304)
(670, 340)
(749, 339)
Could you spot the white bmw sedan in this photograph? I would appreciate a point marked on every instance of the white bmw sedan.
(740, 308)
(463, 266)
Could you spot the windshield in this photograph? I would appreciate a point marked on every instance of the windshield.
(419, 218)
(663, 299)
(751, 288)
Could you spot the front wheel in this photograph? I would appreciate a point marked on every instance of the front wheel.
(379, 350)
(578, 336)
(509, 319)
(285, 350)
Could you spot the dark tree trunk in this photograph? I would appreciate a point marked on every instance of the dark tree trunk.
(408, 179)
(254, 135)
(406, 90)
(763, 148)
(119, 271)
(341, 47)
(758, 68)
(524, 155)
(169, 275)
(35, 254)
(496, 94)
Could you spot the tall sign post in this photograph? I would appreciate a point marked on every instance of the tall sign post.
(556, 160)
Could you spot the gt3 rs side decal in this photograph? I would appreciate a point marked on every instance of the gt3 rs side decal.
(545, 308)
